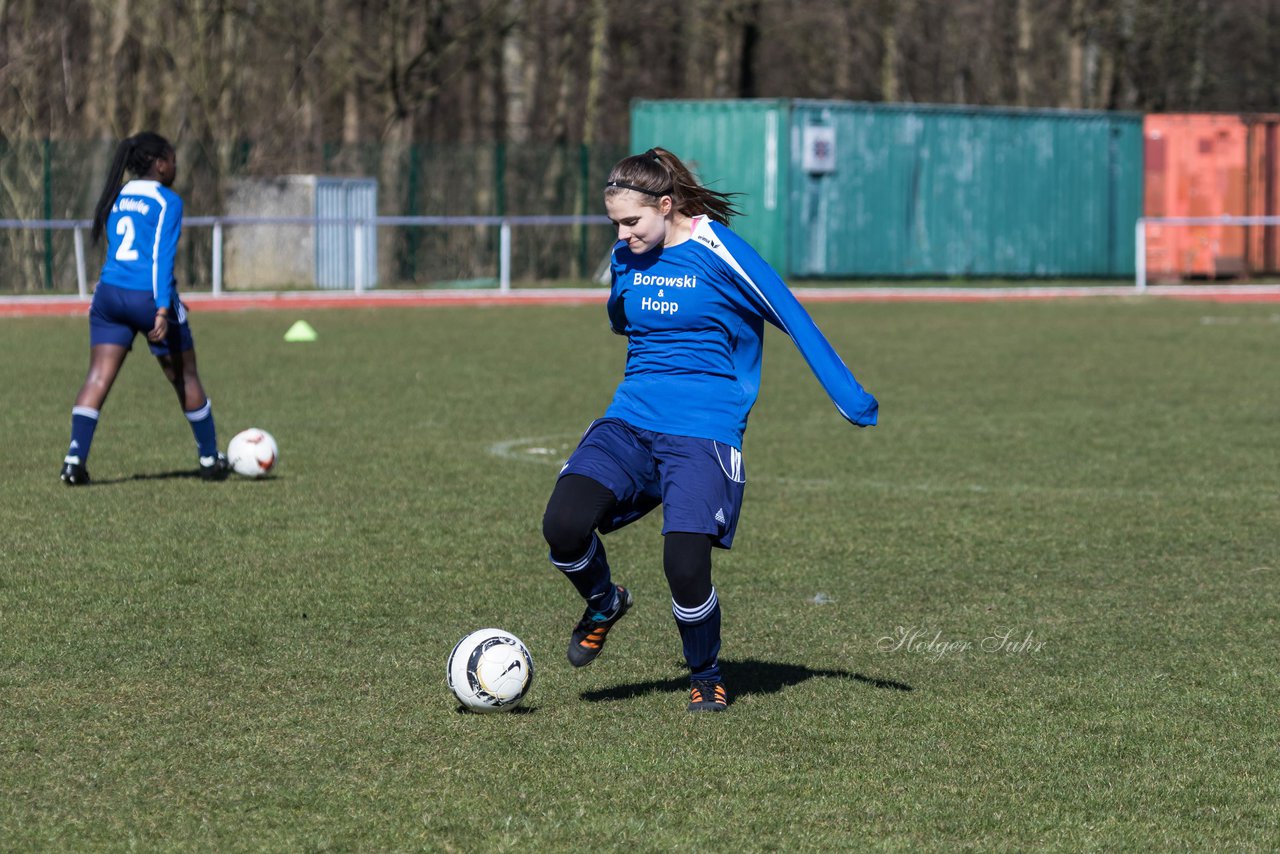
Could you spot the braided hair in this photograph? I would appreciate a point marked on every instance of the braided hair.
(658, 173)
(138, 154)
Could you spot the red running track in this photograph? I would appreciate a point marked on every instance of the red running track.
(43, 306)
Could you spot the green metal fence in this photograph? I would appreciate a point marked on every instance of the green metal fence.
(898, 191)
(59, 180)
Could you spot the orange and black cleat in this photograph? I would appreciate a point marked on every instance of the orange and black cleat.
(589, 635)
(708, 697)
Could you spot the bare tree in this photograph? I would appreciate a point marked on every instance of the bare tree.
(597, 69)
(893, 12)
(1023, 55)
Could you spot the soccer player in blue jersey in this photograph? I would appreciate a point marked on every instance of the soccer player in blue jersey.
(692, 298)
(136, 293)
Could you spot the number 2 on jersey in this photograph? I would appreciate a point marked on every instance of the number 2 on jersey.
(124, 228)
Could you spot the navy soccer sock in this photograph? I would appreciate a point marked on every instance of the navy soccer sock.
(203, 429)
(84, 421)
(700, 636)
(590, 576)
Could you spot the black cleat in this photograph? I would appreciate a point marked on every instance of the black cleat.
(589, 635)
(708, 697)
(214, 468)
(74, 473)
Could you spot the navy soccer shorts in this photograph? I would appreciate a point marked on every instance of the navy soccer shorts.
(698, 482)
(118, 314)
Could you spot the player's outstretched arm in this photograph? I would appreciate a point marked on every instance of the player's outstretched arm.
(774, 299)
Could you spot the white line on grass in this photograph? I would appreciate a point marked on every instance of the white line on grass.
(553, 450)
(1229, 320)
(547, 450)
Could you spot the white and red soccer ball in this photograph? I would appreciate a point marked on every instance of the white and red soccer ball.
(252, 453)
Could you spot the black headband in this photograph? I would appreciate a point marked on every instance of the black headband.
(621, 186)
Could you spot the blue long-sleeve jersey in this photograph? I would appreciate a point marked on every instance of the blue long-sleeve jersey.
(142, 240)
(694, 316)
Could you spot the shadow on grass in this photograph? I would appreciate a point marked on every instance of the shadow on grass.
(176, 474)
(518, 710)
(744, 678)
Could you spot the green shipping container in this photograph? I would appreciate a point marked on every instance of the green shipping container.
(882, 190)
(732, 147)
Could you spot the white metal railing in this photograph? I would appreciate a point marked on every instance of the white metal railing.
(358, 249)
(1140, 236)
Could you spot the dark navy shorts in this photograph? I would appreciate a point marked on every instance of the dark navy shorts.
(698, 482)
(118, 314)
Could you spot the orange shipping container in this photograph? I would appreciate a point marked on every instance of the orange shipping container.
(1263, 192)
(1210, 165)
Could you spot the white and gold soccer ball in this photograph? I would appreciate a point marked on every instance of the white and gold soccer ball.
(253, 453)
(490, 670)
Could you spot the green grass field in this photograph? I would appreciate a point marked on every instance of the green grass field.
(1035, 609)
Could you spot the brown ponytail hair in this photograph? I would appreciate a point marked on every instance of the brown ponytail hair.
(658, 173)
(136, 154)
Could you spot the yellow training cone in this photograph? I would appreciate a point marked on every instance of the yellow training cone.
(300, 331)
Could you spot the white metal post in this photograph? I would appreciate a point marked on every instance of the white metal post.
(82, 286)
(504, 257)
(1140, 255)
(357, 252)
(217, 258)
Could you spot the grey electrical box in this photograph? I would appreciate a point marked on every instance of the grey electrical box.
(322, 253)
